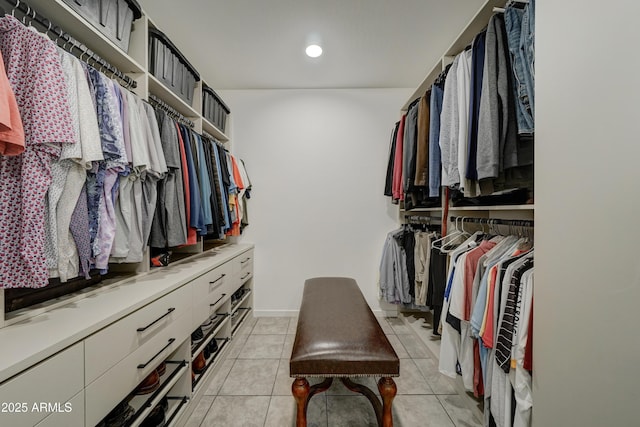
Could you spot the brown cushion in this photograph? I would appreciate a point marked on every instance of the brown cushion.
(338, 334)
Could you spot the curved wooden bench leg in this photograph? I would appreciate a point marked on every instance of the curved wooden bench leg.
(388, 390)
(368, 393)
(319, 388)
(300, 389)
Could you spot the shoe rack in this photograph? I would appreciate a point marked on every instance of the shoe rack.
(158, 400)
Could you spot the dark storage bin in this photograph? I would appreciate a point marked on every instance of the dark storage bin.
(113, 18)
(213, 108)
(171, 67)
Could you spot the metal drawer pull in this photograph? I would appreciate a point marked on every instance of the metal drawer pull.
(218, 279)
(248, 259)
(245, 276)
(219, 299)
(144, 365)
(157, 320)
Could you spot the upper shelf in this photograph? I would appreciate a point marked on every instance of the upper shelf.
(210, 128)
(82, 30)
(161, 91)
(475, 25)
(494, 208)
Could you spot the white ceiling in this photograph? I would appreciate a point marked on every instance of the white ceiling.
(259, 44)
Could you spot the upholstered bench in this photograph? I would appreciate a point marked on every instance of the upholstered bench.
(339, 337)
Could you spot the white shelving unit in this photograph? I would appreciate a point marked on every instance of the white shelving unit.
(518, 212)
(75, 318)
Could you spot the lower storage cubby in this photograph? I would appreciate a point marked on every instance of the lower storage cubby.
(157, 400)
(206, 360)
(238, 318)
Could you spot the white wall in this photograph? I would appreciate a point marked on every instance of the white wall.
(317, 162)
(587, 295)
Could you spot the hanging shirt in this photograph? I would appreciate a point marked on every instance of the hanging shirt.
(192, 237)
(169, 227)
(35, 75)
(11, 131)
(397, 162)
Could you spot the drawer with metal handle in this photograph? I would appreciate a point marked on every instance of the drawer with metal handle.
(125, 377)
(243, 262)
(56, 379)
(110, 345)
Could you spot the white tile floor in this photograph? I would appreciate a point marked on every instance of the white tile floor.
(253, 388)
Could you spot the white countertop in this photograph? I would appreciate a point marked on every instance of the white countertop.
(27, 343)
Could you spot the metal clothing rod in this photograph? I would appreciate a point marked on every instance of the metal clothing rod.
(154, 100)
(509, 4)
(424, 219)
(494, 221)
(213, 139)
(85, 54)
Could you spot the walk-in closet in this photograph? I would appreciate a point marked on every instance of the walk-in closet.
(176, 176)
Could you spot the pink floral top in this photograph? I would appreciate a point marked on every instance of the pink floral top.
(35, 75)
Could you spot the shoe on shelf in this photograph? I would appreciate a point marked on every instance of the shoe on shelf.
(197, 335)
(199, 363)
(118, 415)
(155, 417)
(162, 368)
(207, 326)
(149, 384)
(213, 346)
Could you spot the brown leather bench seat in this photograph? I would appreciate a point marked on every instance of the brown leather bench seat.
(338, 336)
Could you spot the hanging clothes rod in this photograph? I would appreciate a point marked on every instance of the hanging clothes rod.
(84, 53)
(494, 221)
(423, 219)
(154, 100)
(509, 4)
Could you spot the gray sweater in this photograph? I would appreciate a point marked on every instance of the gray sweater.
(497, 127)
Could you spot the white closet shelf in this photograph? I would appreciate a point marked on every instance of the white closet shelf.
(161, 91)
(494, 208)
(83, 31)
(418, 210)
(209, 127)
(475, 25)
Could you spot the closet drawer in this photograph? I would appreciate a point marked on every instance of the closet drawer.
(243, 262)
(55, 380)
(109, 346)
(71, 414)
(210, 291)
(107, 391)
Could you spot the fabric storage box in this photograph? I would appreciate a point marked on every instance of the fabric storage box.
(113, 18)
(169, 66)
(213, 108)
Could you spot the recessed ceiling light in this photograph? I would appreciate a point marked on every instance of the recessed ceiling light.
(313, 51)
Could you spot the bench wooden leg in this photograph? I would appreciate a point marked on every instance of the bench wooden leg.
(300, 389)
(388, 390)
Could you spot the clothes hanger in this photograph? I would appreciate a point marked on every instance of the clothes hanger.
(13, 11)
(445, 240)
(25, 15)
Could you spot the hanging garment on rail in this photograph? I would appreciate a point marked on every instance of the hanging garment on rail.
(520, 29)
(69, 174)
(11, 130)
(486, 324)
(169, 227)
(421, 178)
(36, 77)
(406, 268)
(388, 185)
(435, 157)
